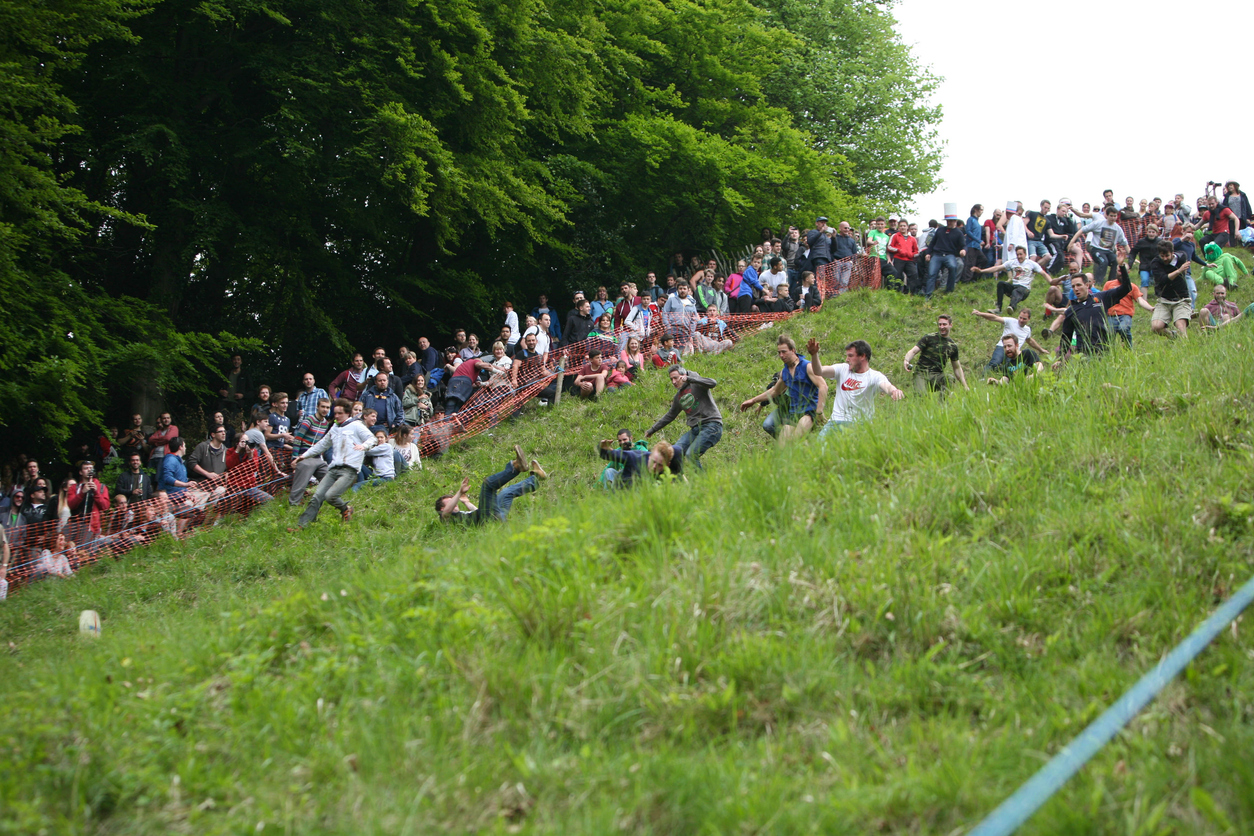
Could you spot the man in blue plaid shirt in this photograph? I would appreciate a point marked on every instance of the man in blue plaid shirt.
(307, 398)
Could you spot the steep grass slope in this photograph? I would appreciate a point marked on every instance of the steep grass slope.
(886, 632)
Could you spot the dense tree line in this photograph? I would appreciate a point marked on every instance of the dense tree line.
(182, 177)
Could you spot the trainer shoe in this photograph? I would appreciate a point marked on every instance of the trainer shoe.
(347, 514)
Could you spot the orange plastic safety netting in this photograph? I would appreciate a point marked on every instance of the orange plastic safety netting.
(63, 546)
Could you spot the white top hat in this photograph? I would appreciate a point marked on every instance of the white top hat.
(1012, 206)
(951, 211)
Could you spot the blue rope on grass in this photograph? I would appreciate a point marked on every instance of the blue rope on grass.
(1030, 797)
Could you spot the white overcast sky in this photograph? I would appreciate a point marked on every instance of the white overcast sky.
(1010, 69)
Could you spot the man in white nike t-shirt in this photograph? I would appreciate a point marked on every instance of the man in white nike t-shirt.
(853, 396)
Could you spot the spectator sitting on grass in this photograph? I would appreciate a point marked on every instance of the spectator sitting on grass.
(591, 379)
(666, 354)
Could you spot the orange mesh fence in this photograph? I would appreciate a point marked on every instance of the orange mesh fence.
(60, 547)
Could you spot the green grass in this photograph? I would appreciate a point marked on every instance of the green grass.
(884, 633)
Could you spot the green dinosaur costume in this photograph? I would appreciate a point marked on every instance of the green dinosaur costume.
(1222, 267)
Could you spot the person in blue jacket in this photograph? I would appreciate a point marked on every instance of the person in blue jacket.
(750, 286)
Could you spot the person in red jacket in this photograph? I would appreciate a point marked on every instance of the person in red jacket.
(904, 249)
(86, 498)
(351, 381)
(243, 468)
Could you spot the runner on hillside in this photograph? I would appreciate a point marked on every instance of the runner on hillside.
(1013, 362)
(933, 350)
(348, 439)
(494, 503)
(705, 421)
(1011, 325)
(800, 394)
(1085, 318)
(856, 384)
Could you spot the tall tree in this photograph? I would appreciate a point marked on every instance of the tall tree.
(854, 86)
(67, 345)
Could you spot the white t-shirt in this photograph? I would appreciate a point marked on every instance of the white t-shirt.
(511, 319)
(409, 452)
(1010, 325)
(775, 279)
(542, 338)
(1105, 235)
(853, 395)
(1021, 272)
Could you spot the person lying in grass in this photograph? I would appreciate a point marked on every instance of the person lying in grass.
(494, 503)
(662, 460)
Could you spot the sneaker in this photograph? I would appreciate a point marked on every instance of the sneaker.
(347, 514)
(1047, 333)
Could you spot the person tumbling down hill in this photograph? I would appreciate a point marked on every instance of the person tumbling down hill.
(661, 460)
(705, 421)
(494, 503)
(1013, 362)
(799, 394)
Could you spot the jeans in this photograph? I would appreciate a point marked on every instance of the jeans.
(694, 444)
(844, 269)
(1037, 248)
(1192, 285)
(1017, 294)
(933, 270)
(833, 426)
(973, 258)
(256, 495)
(1145, 279)
(305, 470)
(999, 355)
(373, 483)
(1121, 324)
(771, 426)
(338, 480)
(909, 273)
(496, 502)
(1103, 261)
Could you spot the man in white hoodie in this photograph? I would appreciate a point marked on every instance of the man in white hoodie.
(348, 439)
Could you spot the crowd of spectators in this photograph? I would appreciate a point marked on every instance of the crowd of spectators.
(162, 482)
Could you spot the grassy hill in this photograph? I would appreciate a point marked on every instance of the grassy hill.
(884, 633)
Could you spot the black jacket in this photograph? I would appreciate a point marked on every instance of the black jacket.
(1087, 319)
(29, 515)
(577, 327)
(128, 482)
